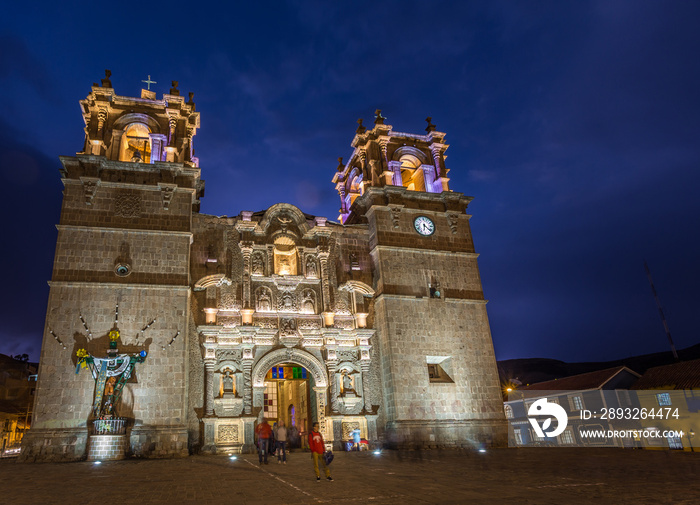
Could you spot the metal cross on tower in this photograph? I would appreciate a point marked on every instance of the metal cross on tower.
(149, 82)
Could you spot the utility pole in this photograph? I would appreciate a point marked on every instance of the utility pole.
(661, 312)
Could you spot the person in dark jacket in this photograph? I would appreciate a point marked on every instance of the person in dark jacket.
(318, 448)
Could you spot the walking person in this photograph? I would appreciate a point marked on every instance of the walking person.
(281, 443)
(264, 432)
(318, 448)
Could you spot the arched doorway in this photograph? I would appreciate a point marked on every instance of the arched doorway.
(274, 379)
(287, 397)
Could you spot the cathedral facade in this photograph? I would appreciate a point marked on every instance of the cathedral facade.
(376, 322)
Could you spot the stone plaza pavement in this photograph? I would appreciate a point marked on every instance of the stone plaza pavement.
(509, 476)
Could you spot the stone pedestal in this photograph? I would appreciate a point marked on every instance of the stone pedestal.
(106, 447)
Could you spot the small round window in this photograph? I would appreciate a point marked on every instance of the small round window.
(122, 270)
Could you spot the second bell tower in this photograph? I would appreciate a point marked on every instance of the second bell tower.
(439, 374)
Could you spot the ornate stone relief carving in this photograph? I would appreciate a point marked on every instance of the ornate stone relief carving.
(127, 204)
(345, 324)
(265, 322)
(287, 303)
(452, 220)
(228, 355)
(341, 303)
(227, 433)
(89, 188)
(395, 215)
(228, 298)
(303, 358)
(308, 324)
(348, 428)
(347, 356)
(167, 191)
(287, 327)
(258, 263)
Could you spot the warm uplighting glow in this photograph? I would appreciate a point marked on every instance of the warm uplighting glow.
(211, 315)
(328, 318)
(361, 319)
(247, 316)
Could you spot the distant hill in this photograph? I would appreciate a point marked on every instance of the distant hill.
(532, 370)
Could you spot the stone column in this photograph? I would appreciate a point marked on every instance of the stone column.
(301, 266)
(321, 410)
(366, 395)
(247, 365)
(115, 145)
(270, 261)
(209, 393)
(395, 169)
(246, 249)
(157, 144)
(323, 257)
(331, 365)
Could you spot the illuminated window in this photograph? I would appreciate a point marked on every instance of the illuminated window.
(270, 400)
(509, 411)
(135, 144)
(663, 399)
(576, 403)
(566, 438)
(674, 442)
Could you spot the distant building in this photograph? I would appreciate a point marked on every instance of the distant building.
(17, 386)
(675, 387)
(591, 391)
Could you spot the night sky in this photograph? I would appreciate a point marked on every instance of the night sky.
(574, 125)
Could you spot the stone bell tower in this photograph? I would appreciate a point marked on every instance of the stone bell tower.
(438, 368)
(122, 263)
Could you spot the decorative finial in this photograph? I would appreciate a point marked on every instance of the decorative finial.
(378, 118)
(174, 91)
(431, 127)
(149, 82)
(106, 83)
(190, 101)
(341, 166)
(360, 129)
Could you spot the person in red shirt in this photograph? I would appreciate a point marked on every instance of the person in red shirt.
(318, 448)
(264, 432)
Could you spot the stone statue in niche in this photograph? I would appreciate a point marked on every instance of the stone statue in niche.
(229, 387)
(264, 302)
(307, 304)
(347, 382)
(287, 303)
(311, 268)
(258, 264)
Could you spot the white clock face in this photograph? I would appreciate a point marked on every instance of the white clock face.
(424, 226)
